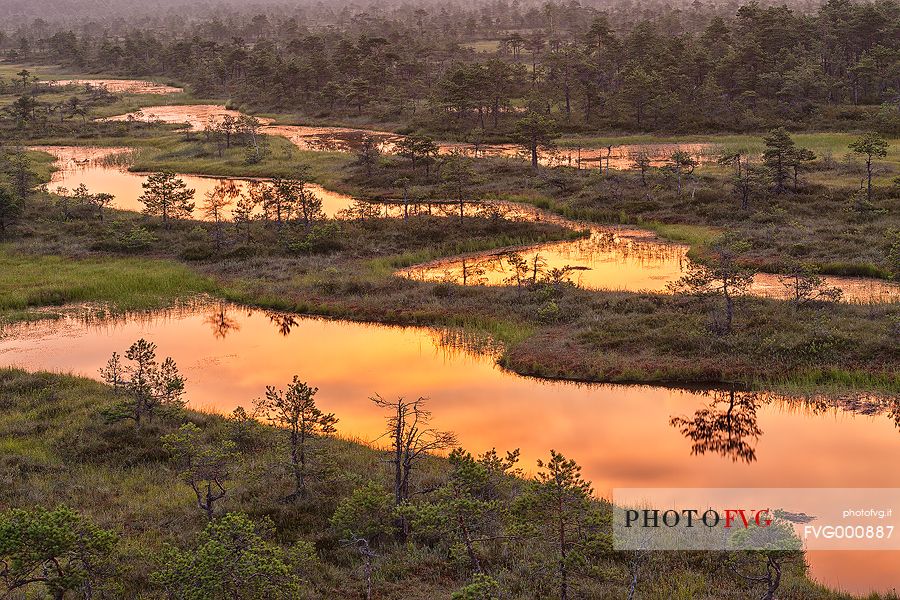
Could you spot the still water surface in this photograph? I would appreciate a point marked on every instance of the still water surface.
(122, 86)
(347, 139)
(622, 259)
(93, 167)
(610, 258)
(622, 435)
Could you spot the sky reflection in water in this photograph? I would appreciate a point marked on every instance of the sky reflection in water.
(622, 435)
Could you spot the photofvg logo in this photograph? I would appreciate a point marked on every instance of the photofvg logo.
(756, 518)
(734, 517)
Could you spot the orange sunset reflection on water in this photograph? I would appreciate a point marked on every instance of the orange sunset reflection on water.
(609, 258)
(348, 139)
(95, 168)
(121, 86)
(621, 259)
(622, 435)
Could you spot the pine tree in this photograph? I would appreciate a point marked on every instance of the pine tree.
(167, 196)
(295, 408)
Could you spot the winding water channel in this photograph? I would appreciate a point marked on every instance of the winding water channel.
(100, 171)
(608, 258)
(347, 139)
(624, 436)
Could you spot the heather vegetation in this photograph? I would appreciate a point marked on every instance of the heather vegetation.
(778, 127)
(194, 505)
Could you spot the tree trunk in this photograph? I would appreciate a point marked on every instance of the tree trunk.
(368, 573)
(869, 176)
(398, 472)
(467, 541)
(563, 571)
(208, 507)
(774, 580)
(729, 309)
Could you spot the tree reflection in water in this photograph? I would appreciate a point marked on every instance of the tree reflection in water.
(220, 322)
(727, 426)
(452, 342)
(893, 411)
(285, 322)
(646, 263)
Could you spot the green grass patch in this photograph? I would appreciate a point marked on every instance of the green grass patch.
(694, 235)
(24, 446)
(851, 269)
(834, 381)
(123, 283)
(483, 46)
(176, 153)
(10, 70)
(506, 332)
(41, 165)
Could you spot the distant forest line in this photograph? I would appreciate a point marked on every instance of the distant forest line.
(505, 13)
(473, 70)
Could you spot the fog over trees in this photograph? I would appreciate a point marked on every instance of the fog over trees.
(470, 70)
(525, 11)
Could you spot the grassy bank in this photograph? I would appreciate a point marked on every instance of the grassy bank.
(346, 270)
(28, 282)
(57, 450)
(618, 337)
(183, 153)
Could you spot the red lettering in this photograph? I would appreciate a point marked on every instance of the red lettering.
(730, 515)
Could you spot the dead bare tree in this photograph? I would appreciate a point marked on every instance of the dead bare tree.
(411, 439)
(770, 578)
(368, 555)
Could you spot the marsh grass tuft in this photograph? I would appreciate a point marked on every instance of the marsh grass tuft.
(123, 283)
